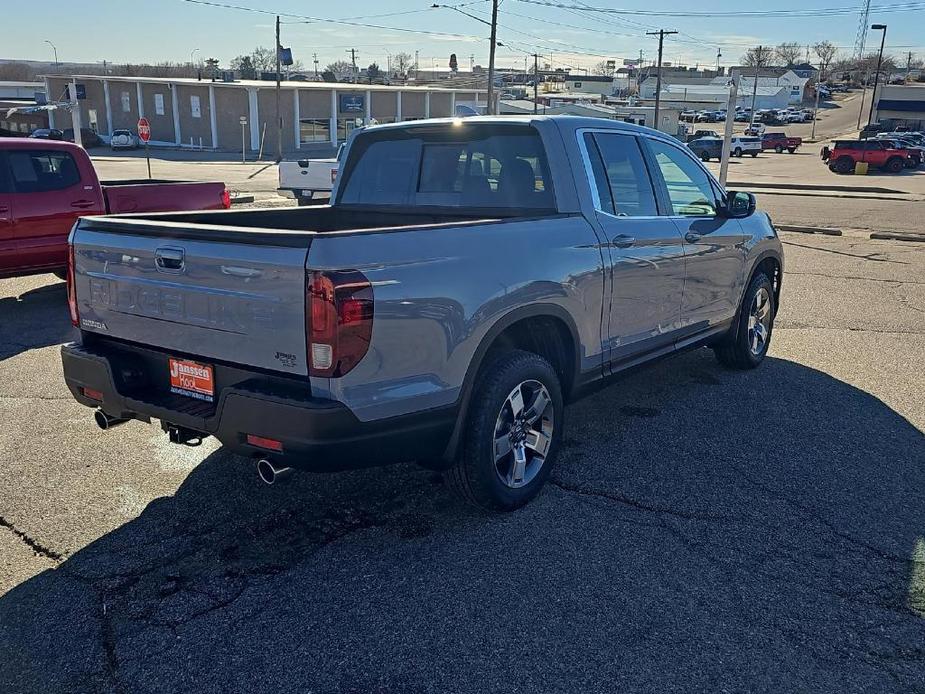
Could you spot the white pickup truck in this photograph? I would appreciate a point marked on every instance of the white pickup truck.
(308, 180)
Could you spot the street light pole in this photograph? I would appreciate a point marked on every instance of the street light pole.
(55, 50)
(191, 60)
(873, 96)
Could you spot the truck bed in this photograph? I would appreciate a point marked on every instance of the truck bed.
(291, 227)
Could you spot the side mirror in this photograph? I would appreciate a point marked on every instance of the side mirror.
(740, 204)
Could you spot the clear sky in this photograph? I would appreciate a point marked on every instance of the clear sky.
(159, 30)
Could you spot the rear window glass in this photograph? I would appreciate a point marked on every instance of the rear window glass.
(39, 171)
(479, 166)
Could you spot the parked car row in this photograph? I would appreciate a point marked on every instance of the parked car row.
(88, 138)
(709, 145)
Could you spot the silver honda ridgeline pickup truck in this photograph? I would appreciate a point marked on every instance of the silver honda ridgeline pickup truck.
(469, 278)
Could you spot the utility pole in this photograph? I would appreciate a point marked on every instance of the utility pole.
(661, 33)
(727, 131)
(279, 117)
(536, 79)
(491, 57)
(353, 61)
(315, 60)
(417, 62)
(759, 61)
(908, 64)
(471, 63)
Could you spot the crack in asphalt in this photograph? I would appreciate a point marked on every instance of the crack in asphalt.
(869, 256)
(36, 546)
(852, 329)
(855, 277)
(649, 508)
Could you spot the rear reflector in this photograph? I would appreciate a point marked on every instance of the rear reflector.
(261, 442)
(226, 199)
(92, 394)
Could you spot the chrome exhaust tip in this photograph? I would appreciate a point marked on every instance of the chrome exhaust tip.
(271, 473)
(106, 421)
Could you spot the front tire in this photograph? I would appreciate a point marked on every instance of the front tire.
(747, 343)
(737, 152)
(779, 149)
(895, 165)
(512, 433)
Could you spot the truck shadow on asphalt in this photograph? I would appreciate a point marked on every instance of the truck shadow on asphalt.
(37, 318)
(704, 530)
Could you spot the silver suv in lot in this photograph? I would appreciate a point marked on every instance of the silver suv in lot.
(469, 278)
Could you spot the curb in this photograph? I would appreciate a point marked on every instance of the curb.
(810, 230)
(898, 236)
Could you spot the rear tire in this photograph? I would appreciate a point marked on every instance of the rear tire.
(779, 149)
(746, 345)
(737, 151)
(485, 474)
(754, 154)
(895, 165)
(704, 156)
(791, 149)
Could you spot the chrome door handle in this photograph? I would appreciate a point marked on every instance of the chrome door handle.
(82, 204)
(692, 237)
(623, 240)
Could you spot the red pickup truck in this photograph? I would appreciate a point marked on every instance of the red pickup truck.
(779, 142)
(46, 185)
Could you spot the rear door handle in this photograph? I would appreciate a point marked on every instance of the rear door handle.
(692, 237)
(82, 204)
(623, 240)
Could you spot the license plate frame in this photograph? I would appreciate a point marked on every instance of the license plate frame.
(191, 379)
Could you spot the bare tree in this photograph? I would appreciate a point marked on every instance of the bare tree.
(788, 54)
(263, 59)
(340, 70)
(825, 51)
(601, 68)
(759, 56)
(402, 65)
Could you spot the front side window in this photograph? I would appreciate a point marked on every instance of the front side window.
(478, 166)
(623, 183)
(38, 171)
(689, 188)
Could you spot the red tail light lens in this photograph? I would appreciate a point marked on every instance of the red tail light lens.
(226, 199)
(338, 320)
(72, 287)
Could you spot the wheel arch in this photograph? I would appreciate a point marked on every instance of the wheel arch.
(528, 328)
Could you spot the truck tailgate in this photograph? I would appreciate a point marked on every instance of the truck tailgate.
(242, 303)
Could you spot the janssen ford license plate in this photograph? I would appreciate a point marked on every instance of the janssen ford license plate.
(192, 379)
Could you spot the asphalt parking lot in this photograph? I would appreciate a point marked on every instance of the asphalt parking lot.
(705, 530)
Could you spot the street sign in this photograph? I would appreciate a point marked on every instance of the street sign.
(243, 120)
(144, 129)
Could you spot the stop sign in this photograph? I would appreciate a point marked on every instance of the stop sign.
(144, 129)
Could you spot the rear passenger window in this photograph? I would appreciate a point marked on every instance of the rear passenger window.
(496, 167)
(620, 174)
(39, 171)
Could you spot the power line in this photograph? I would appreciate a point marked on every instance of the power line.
(808, 12)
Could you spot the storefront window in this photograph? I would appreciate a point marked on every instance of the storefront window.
(314, 130)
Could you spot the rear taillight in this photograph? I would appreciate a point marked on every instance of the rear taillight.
(226, 199)
(338, 320)
(72, 287)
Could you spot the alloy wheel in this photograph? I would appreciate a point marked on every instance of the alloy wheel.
(523, 434)
(759, 322)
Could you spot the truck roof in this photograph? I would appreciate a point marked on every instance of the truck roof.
(565, 122)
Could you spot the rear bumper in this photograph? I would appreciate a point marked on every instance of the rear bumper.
(317, 434)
